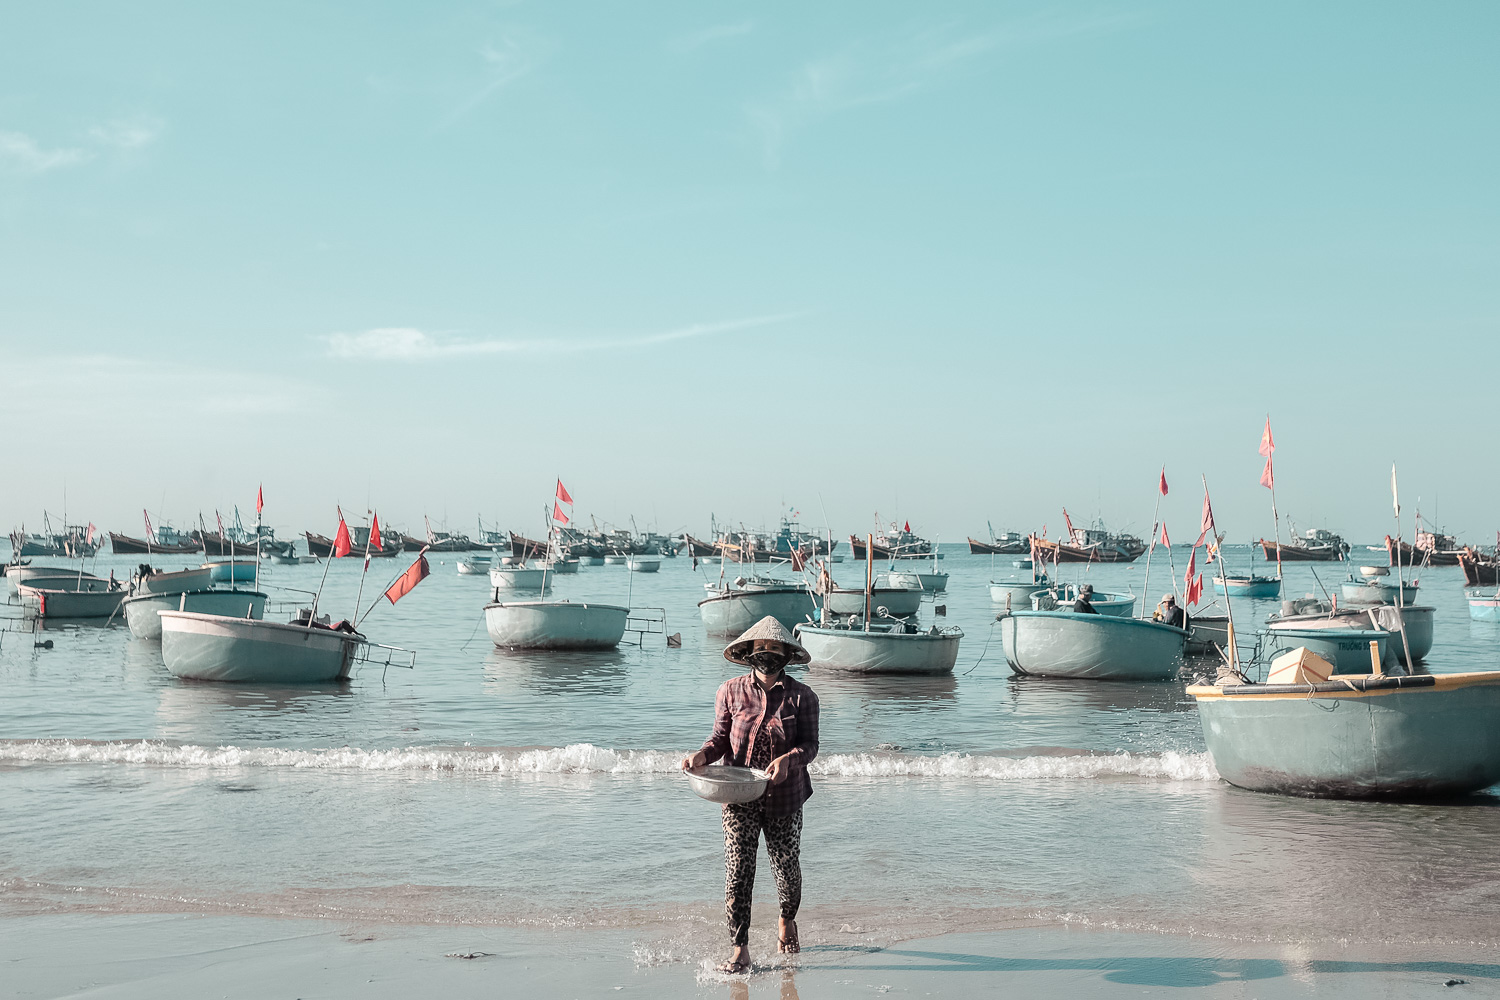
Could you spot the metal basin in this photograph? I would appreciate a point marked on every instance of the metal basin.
(728, 784)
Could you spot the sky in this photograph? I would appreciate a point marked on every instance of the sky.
(955, 264)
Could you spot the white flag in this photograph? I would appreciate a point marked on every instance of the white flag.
(1395, 499)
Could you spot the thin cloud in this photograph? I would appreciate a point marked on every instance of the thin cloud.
(705, 36)
(21, 153)
(504, 64)
(126, 133)
(411, 344)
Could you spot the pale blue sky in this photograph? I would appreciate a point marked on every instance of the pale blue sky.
(951, 263)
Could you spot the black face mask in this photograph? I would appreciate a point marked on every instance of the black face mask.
(767, 661)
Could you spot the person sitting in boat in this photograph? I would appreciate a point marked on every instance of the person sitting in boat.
(763, 719)
(1168, 613)
(1083, 605)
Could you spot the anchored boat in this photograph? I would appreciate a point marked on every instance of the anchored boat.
(208, 647)
(1064, 595)
(1249, 586)
(149, 581)
(42, 602)
(882, 647)
(1361, 736)
(141, 610)
(52, 578)
(643, 564)
(1090, 647)
(1375, 591)
(734, 609)
(520, 577)
(474, 565)
(1415, 620)
(555, 624)
(898, 601)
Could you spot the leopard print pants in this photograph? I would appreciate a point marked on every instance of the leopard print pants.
(742, 826)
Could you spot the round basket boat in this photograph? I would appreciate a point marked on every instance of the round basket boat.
(728, 784)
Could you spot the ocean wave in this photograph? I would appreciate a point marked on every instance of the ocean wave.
(585, 758)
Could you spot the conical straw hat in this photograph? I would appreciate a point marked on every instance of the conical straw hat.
(767, 628)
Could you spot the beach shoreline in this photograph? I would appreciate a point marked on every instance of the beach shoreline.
(169, 955)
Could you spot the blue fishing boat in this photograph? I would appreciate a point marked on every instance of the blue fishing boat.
(1249, 586)
(230, 570)
(1090, 647)
(1369, 736)
(1373, 591)
(1416, 621)
(1348, 649)
(1483, 607)
(882, 647)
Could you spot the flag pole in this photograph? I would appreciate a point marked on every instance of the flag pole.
(313, 615)
(1155, 527)
(1234, 652)
(1400, 583)
(359, 595)
(257, 546)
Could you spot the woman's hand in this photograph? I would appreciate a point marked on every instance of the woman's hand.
(694, 760)
(779, 768)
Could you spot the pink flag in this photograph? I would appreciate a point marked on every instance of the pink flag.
(1208, 514)
(562, 493)
(1167, 542)
(1163, 486)
(342, 543)
(150, 532)
(1267, 445)
(1268, 478)
(558, 515)
(260, 499)
(415, 574)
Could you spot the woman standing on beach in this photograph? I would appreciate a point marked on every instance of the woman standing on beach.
(764, 719)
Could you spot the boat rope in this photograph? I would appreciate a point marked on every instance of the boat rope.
(473, 633)
(983, 651)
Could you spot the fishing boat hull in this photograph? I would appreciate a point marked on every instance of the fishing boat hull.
(51, 578)
(1090, 647)
(880, 652)
(731, 613)
(1415, 620)
(231, 571)
(124, 545)
(978, 548)
(1484, 607)
(1301, 553)
(1388, 737)
(931, 583)
(643, 564)
(518, 578)
(1402, 553)
(1056, 552)
(920, 550)
(1479, 570)
(1348, 649)
(205, 647)
(555, 625)
(37, 602)
(141, 611)
(178, 582)
(1375, 592)
(897, 602)
(1015, 595)
(1249, 586)
(212, 544)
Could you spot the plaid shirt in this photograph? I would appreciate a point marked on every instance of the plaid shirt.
(740, 708)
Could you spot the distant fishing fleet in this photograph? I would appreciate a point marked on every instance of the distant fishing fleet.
(1268, 713)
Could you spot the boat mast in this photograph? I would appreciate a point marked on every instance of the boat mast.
(869, 574)
(1155, 532)
(1234, 652)
(1400, 583)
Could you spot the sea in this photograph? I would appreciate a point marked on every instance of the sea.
(486, 787)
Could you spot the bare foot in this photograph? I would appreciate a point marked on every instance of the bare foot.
(739, 961)
(788, 943)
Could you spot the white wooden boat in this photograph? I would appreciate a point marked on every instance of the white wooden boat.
(899, 602)
(730, 612)
(913, 580)
(643, 564)
(474, 565)
(141, 609)
(555, 624)
(52, 578)
(518, 577)
(1016, 594)
(615, 559)
(39, 602)
(207, 647)
(886, 647)
(1091, 647)
(178, 582)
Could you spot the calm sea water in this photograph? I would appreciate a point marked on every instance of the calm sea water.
(495, 787)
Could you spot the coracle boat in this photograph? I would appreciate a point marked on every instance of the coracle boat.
(231, 570)
(1090, 647)
(141, 609)
(46, 602)
(932, 583)
(53, 578)
(207, 647)
(149, 581)
(566, 566)
(1374, 591)
(518, 577)
(882, 647)
(474, 566)
(1415, 620)
(1016, 594)
(733, 610)
(643, 564)
(1348, 649)
(1360, 736)
(1317, 545)
(1483, 606)
(1062, 598)
(555, 625)
(1249, 586)
(898, 601)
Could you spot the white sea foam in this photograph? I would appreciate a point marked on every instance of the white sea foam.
(585, 758)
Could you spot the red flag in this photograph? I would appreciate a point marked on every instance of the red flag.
(799, 560)
(342, 545)
(1195, 590)
(1164, 539)
(907, 529)
(1192, 565)
(406, 582)
(90, 539)
(150, 532)
(558, 515)
(562, 493)
(220, 518)
(1208, 514)
(375, 533)
(260, 498)
(1069, 521)
(1163, 486)
(1267, 445)
(1268, 478)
